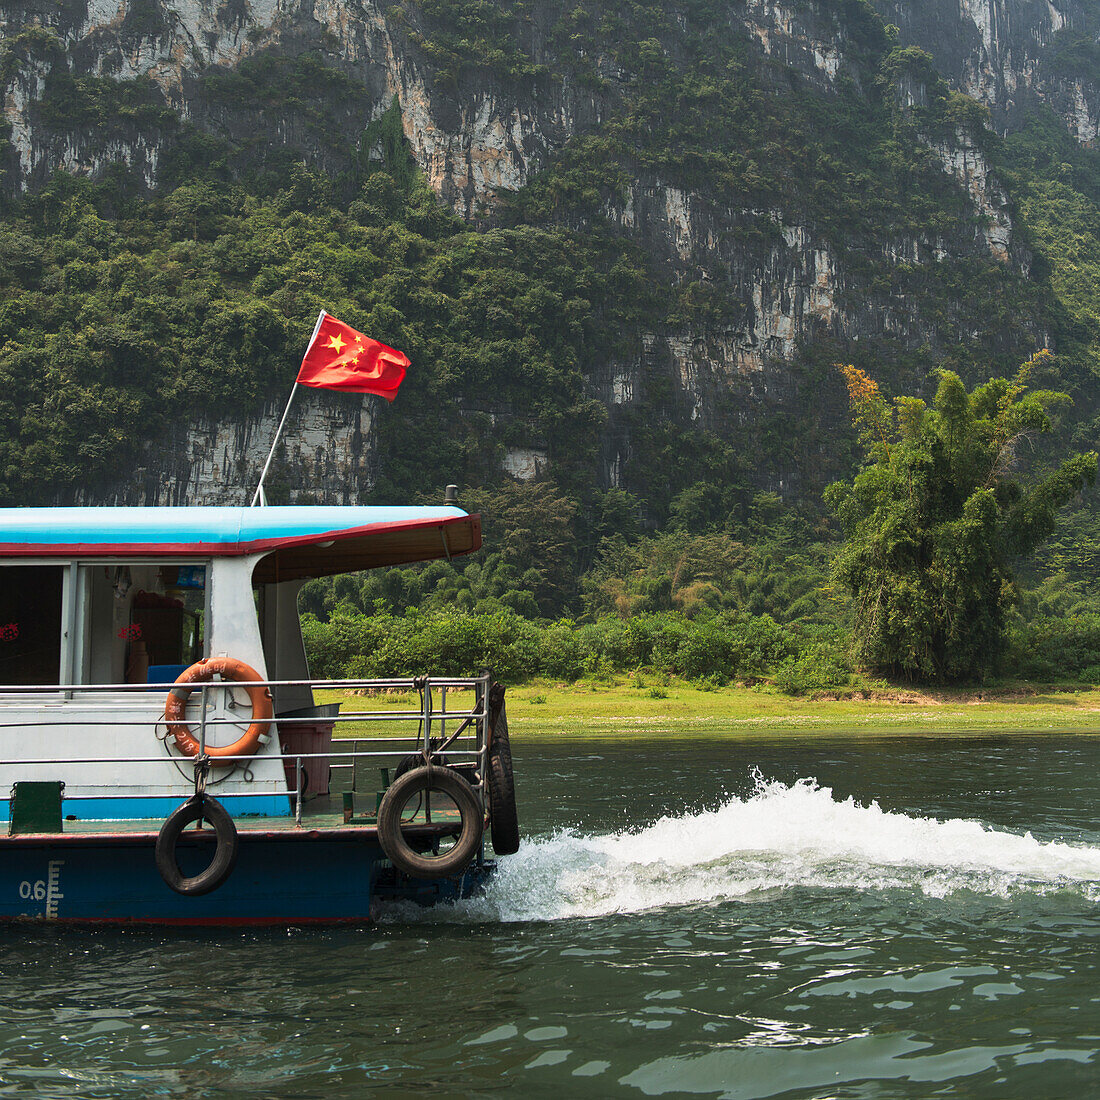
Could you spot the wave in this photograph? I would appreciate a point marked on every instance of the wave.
(779, 838)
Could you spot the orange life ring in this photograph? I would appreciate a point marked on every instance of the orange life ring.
(203, 672)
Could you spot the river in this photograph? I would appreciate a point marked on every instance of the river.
(787, 917)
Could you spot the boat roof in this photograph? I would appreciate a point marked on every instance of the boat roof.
(296, 540)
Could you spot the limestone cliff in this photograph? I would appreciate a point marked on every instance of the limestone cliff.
(480, 135)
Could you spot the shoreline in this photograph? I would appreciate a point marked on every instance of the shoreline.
(645, 707)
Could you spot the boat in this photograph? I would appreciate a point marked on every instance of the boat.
(169, 757)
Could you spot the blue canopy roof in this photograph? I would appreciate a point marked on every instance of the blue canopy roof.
(297, 535)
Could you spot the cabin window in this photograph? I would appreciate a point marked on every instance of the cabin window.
(142, 621)
(30, 624)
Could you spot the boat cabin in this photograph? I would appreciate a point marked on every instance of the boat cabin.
(102, 609)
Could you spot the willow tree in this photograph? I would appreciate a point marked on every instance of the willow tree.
(938, 514)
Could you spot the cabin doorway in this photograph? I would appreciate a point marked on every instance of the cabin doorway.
(30, 624)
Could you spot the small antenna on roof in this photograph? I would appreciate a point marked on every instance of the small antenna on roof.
(450, 495)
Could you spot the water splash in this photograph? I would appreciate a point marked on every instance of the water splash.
(778, 838)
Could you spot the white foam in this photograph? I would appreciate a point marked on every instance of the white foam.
(779, 838)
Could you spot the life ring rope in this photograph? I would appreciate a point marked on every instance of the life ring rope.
(203, 672)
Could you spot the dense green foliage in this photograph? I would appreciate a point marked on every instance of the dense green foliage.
(936, 518)
(713, 650)
(195, 300)
(538, 561)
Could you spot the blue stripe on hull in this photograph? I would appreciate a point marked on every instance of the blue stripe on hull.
(277, 880)
(137, 809)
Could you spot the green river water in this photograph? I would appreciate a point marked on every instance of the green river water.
(905, 917)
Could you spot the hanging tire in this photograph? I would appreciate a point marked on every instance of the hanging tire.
(503, 816)
(400, 852)
(225, 853)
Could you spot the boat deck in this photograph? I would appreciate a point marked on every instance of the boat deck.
(321, 815)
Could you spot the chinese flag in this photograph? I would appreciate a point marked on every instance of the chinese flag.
(339, 358)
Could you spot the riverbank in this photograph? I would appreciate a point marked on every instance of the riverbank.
(655, 707)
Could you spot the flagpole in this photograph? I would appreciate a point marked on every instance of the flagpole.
(258, 497)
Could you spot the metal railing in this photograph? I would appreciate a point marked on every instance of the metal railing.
(80, 705)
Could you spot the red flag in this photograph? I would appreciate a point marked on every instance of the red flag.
(339, 358)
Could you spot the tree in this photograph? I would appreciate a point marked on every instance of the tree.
(939, 514)
(529, 528)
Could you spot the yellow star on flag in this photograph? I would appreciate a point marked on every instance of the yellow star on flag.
(337, 342)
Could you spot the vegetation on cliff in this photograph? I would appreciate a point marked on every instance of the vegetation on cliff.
(123, 313)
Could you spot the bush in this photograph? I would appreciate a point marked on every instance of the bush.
(810, 672)
(1055, 647)
(711, 651)
(560, 656)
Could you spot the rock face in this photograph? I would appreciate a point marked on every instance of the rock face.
(963, 159)
(326, 446)
(475, 141)
(1009, 54)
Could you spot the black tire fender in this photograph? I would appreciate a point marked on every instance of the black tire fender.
(397, 848)
(503, 816)
(225, 854)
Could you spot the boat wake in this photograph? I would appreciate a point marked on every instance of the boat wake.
(780, 837)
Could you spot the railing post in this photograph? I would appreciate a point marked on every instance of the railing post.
(482, 726)
(486, 680)
(202, 721)
(426, 717)
(298, 791)
(426, 722)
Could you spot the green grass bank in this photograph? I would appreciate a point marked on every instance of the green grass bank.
(644, 707)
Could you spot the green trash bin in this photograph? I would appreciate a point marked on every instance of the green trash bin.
(36, 807)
